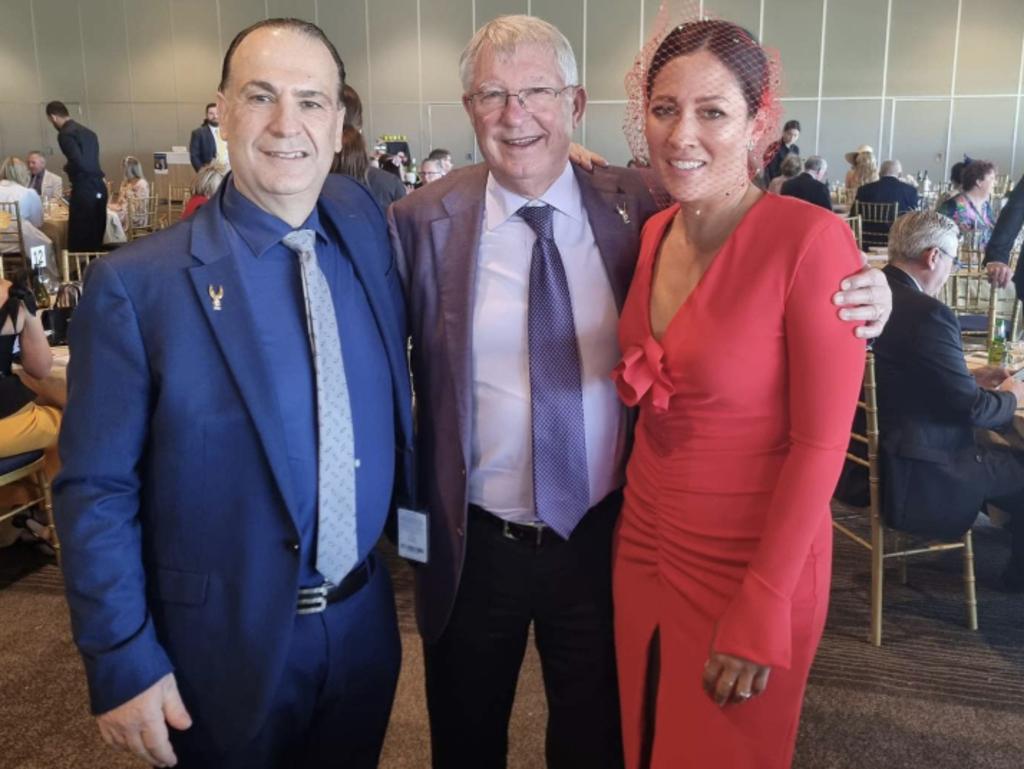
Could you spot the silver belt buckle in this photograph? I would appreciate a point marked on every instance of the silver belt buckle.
(313, 600)
(506, 531)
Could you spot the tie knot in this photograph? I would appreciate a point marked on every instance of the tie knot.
(300, 241)
(540, 220)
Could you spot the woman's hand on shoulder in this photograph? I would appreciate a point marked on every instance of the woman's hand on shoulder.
(733, 680)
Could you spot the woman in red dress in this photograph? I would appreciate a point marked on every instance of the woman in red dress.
(746, 381)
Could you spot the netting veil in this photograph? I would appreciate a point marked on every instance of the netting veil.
(741, 66)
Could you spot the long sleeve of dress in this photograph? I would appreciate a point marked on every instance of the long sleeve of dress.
(825, 363)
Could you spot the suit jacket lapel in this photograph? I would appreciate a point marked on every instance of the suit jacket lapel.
(370, 266)
(455, 242)
(617, 239)
(233, 327)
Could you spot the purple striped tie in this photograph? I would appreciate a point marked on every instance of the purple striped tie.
(561, 491)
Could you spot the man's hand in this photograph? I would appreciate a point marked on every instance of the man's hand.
(140, 724)
(1014, 386)
(865, 296)
(584, 158)
(999, 274)
(729, 679)
(990, 377)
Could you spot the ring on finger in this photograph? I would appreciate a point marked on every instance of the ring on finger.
(744, 695)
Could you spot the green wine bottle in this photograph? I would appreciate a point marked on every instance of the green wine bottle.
(997, 347)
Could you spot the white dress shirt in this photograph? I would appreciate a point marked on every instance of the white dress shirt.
(221, 145)
(501, 473)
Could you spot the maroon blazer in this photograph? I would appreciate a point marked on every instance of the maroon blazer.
(435, 232)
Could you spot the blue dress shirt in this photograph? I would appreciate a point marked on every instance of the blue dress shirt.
(272, 278)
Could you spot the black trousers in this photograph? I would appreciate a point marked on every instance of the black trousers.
(564, 589)
(1005, 468)
(87, 214)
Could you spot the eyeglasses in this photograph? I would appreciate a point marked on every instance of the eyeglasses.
(530, 99)
(957, 264)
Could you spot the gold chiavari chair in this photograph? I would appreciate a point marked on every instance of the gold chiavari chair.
(851, 524)
(856, 224)
(876, 219)
(74, 263)
(1002, 186)
(31, 465)
(177, 197)
(13, 254)
(978, 306)
(142, 216)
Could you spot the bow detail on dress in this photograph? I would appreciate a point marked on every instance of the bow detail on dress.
(642, 369)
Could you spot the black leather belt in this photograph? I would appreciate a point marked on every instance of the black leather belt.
(313, 600)
(533, 534)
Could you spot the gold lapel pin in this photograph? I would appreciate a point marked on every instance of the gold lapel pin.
(621, 209)
(216, 294)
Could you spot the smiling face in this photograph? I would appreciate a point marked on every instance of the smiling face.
(698, 129)
(525, 151)
(282, 116)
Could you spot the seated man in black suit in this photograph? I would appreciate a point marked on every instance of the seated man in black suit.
(888, 189)
(810, 185)
(936, 475)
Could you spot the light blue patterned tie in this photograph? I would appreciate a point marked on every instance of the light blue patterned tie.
(561, 490)
(337, 547)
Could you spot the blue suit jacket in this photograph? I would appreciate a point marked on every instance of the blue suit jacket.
(889, 189)
(174, 505)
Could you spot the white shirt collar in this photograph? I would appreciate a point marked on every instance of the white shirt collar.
(916, 282)
(563, 195)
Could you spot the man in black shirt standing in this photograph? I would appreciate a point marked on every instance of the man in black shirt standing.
(1004, 236)
(87, 203)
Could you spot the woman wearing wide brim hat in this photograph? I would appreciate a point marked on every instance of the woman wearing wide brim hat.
(863, 169)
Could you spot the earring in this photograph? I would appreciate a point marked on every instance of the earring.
(750, 145)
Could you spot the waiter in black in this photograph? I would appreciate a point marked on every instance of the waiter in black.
(87, 204)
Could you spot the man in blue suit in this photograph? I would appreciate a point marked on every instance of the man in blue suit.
(217, 520)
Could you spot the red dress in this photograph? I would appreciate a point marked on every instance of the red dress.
(725, 537)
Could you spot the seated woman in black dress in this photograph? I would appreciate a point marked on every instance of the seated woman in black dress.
(25, 425)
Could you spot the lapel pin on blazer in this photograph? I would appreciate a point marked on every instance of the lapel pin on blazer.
(621, 209)
(216, 294)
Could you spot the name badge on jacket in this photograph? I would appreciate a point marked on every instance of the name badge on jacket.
(412, 535)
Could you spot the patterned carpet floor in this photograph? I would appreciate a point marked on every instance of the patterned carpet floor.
(935, 696)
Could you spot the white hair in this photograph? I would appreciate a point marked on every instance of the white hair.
(890, 168)
(918, 231)
(816, 163)
(506, 33)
